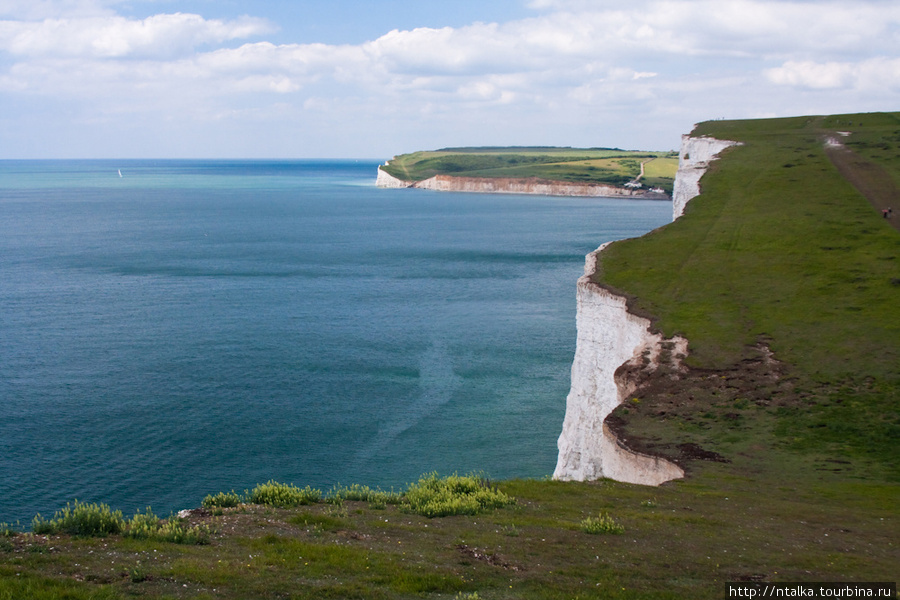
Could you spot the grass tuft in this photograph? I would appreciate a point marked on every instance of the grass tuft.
(433, 496)
(283, 495)
(377, 498)
(602, 524)
(148, 526)
(81, 519)
(222, 500)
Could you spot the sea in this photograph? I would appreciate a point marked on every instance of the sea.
(174, 328)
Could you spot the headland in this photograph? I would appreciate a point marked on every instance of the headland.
(589, 172)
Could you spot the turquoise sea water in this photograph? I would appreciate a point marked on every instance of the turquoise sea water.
(197, 326)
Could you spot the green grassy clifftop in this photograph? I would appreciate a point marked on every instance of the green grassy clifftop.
(783, 249)
(579, 165)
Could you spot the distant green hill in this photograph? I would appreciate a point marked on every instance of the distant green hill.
(585, 165)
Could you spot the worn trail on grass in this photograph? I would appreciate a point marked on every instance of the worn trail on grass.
(870, 179)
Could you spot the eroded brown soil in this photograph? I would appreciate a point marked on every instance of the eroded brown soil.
(671, 408)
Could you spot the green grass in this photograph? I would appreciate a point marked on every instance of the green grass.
(594, 165)
(793, 524)
(81, 519)
(779, 249)
(434, 496)
(792, 254)
(375, 497)
(99, 520)
(274, 493)
(601, 524)
(222, 500)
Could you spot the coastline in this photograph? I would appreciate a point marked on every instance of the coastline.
(610, 337)
(505, 185)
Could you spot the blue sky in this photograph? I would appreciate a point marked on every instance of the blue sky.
(352, 79)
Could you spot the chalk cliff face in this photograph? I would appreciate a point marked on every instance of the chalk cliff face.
(500, 185)
(386, 180)
(608, 338)
(693, 160)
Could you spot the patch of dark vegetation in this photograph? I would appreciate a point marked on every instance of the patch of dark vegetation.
(485, 556)
(691, 451)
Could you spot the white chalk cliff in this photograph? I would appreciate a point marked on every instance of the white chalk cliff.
(386, 180)
(508, 185)
(608, 337)
(693, 160)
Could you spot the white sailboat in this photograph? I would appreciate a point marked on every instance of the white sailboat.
(120, 172)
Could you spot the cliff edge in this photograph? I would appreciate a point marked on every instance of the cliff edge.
(511, 185)
(610, 337)
(693, 161)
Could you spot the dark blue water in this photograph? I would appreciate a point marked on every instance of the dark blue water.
(198, 326)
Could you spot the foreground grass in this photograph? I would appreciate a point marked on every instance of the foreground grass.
(684, 539)
(588, 165)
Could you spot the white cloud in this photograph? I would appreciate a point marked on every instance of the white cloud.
(572, 64)
(873, 74)
(812, 75)
(162, 35)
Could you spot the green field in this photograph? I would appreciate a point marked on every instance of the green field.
(785, 278)
(583, 165)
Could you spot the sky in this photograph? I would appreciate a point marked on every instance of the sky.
(355, 79)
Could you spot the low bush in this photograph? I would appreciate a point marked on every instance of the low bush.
(471, 494)
(81, 519)
(222, 500)
(99, 520)
(148, 526)
(602, 524)
(363, 493)
(284, 495)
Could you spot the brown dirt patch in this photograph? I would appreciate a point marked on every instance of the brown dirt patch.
(670, 409)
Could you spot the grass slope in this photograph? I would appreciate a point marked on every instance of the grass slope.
(781, 248)
(792, 457)
(588, 165)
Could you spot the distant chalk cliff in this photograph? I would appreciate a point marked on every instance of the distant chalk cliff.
(386, 180)
(504, 185)
(609, 337)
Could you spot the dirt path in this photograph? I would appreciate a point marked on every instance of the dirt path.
(868, 178)
(641, 175)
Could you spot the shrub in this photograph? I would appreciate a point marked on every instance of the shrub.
(149, 526)
(80, 519)
(141, 526)
(222, 500)
(173, 531)
(363, 493)
(454, 495)
(602, 524)
(283, 494)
